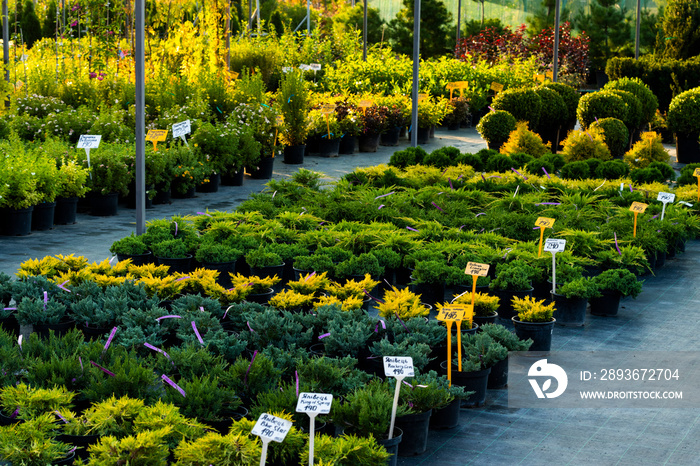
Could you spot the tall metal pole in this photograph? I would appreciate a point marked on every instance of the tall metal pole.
(459, 18)
(257, 14)
(228, 35)
(636, 36)
(6, 44)
(416, 60)
(308, 17)
(555, 70)
(364, 33)
(250, 14)
(140, 66)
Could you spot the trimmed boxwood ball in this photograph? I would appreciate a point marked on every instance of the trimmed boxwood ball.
(523, 103)
(535, 166)
(642, 92)
(500, 163)
(634, 109)
(555, 159)
(593, 165)
(521, 158)
(576, 170)
(443, 157)
(684, 113)
(407, 157)
(647, 175)
(471, 159)
(495, 127)
(615, 135)
(665, 169)
(485, 155)
(553, 113)
(601, 104)
(612, 169)
(570, 97)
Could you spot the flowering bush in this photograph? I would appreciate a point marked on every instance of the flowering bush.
(109, 171)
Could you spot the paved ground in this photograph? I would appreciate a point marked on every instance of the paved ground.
(662, 318)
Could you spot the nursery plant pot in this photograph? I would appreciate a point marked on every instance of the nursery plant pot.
(264, 169)
(16, 222)
(392, 446)
(294, 154)
(299, 272)
(93, 333)
(9, 419)
(10, 325)
(390, 137)
(481, 320)
(42, 217)
(232, 179)
(104, 205)
(571, 312)
(468, 331)
(432, 131)
(347, 144)
(224, 268)
(263, 272)
(505, 309)
(65, 211)
(329, 147)
(475, 381)
(540, 332)
(498, 378)
(447, 417)
(431, 293)
(415, 433)
(261, 298)
(212, 185)
(660, 256)
(182, 194)
(368, 142)
(179, 264)
(607, 305)
(687, 148)
(423, 135)
(131, 197)
(59, 329)
(136, 259)
(162, 196)
(494, 146)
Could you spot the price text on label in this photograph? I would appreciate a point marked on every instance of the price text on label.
(544, 222)
(271, 427)
(554, 245)
(157, 135)
(696, 172)
(498, 87)
(452, 312)
(397, 366)
(365, 103)
(638, 207)
(181, 129)
(314, 403)
(327, 109)
(475, 268)
(89, 141)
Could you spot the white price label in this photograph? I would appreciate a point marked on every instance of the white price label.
(554, 245)
(397, 366)
(89, 141)
(315, 66)
(287, 69)
(272, 427)
(666, 197)
(314, 403)
(181, 129)
(304, 67)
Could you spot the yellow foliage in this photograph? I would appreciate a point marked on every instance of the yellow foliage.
(352, 288)
(311, 283)
(402, 303)
(531, 310)
(289, 299)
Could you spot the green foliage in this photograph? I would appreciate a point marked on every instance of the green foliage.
(217, 253)
(359, 265)
(648, 149)
(205, 400)
(314, 262)
(249, 378)
(601, 104)
(480, 351)
(554, 111)
(495, 127)
(633, 118)
(582, 145)
(332, 375)
(608, 26)
(647, 175)
(262, 257)
(505, 337)
(522, 140)
(129, 245)
(570, 97)
(584, 287)
(347, 449)
(612, 169)
(615, 135)
(214, 448)
(679, 35)
(621, 280)
(642, 92)
(418, 351)
(513, 276)
(144, 448)
(523, 103)
(171, 249)
(35, 311)
(576, 170)
(32, 403)
(442, 158)
(435, 38)
(684, 113)
(31, 443)
(407, 157)
(293, 99)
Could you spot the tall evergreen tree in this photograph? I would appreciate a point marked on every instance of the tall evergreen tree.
(543, 16)
(31, 27)
(48, 29)
(609, 27)
(435, 29)
(679, 35)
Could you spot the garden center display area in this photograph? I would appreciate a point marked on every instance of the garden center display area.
(295, 292)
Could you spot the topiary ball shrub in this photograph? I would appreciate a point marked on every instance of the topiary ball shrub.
(687, 174)
(601, 104)
(615, 135)
(582, 145)
(570, 97)
(648, 149)
(500, 163)
(521, 159)
(553, 114)
(495, 127)
(523, 103)
(485, 155)
(642, 92)
(684, 113)
(665, 169)
(647, 175)
(633, 119)
(593, 165)
(443, 157)
(555, 159)
(471, 159)
(612, 170)
(524, 140)
(576, 170)
(407, 157)
(535, 167)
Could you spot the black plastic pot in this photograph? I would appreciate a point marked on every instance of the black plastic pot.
(472, 382)
(347, 144)
(447, 417)
(178, 264)
(390, 137)
(423, 135)
(687, 148)
(233, 179)
(328, 147)
(42, 217)
(261, 298)
(81, 442)
(368, 142)
(264, 169)
(431, 293)
(59, 329)
(176, 194)
(454, 126)
(10, 325)
(16, 222)
(571, 312)
(162, 196)
(660, 256)
(212, 185)
(263, 272)
(540, 332)
(481, 320)
(505, 309)
(94, 333)
(224, 268)
(415, 433)
(136, 259)
(498, 378)
(65, 211)
(294, 154)
(104, 205)
(392, 446)
(607, 305)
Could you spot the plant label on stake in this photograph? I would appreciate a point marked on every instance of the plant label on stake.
(363, 104)
(451, 87)
(496, 87)
(549, 74)
(696, 173)
(665, 198)
(462, 85)
(279, 121)
(156, 136)
(327, 109)
(269, 428)
(554, 246)
(313, 404)
(450, 314)
(422, 97)
(180, 130)
(400, 368)
(543, 222)
(87, 142)
(637, 208)
(234, 75)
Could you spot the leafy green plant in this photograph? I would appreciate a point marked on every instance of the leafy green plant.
(293, 99)
(418, 351)
(171, 249)
(214, 448)
(31, 443)
(620, 280)
(582, 145)
(523, 103)
(351, 448)
(147, 447)
(684, 113)
(495, 127)
(514, 276)
(583, 288)
(409, 156)
(402, 303)
(261, 257)
(601, 104)
(359, 265)
(480, 351)
(32, 403)
(129, 246)
(505, 337)
(647, 150)
(205, 399)
(615, 135)
(425, 392)
(531, 310)
(36, 311)
(314, 262)
(217, 253)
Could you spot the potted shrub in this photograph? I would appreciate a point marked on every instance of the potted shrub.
(613, 285)
(188, 171)
(306, 264)
(325, 131)
(534, 321)
(498, 377)
(615, 135)
(358, 266)
(349, 125)
(18, 194)
(219, 257)
(495, 128)
(522, 140)
(553, 117)
(46, 173)
(600, 104)
(72, 184)
(254, 289)
(26, 403)
(133, 248)
(402, 303)
(479, 353)
(174, 253)
(214, 448)
(571, 300)
(31, 443)
(265, 263)
(293, 99)
(218, 144)
(352, 448)
(485, 306)
(374, 123)
(395, 121)
(44, 316)
(523, 103)
(289, 300)
(513, 279)
(429, 279)
(571, 98)
(110, 177)
(458, 113)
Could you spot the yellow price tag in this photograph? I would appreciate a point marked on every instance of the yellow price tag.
(539, 77)
(234, 75)
(549, 74)
(422, 97)
(365, 103)
(452, 312)
(462, 84)
(156, 136)
(452, 86)
(496, 87)
(475, 268)
(279, 120)
(638, 207)
(696, 172)
(544, 222)
(327, 109)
